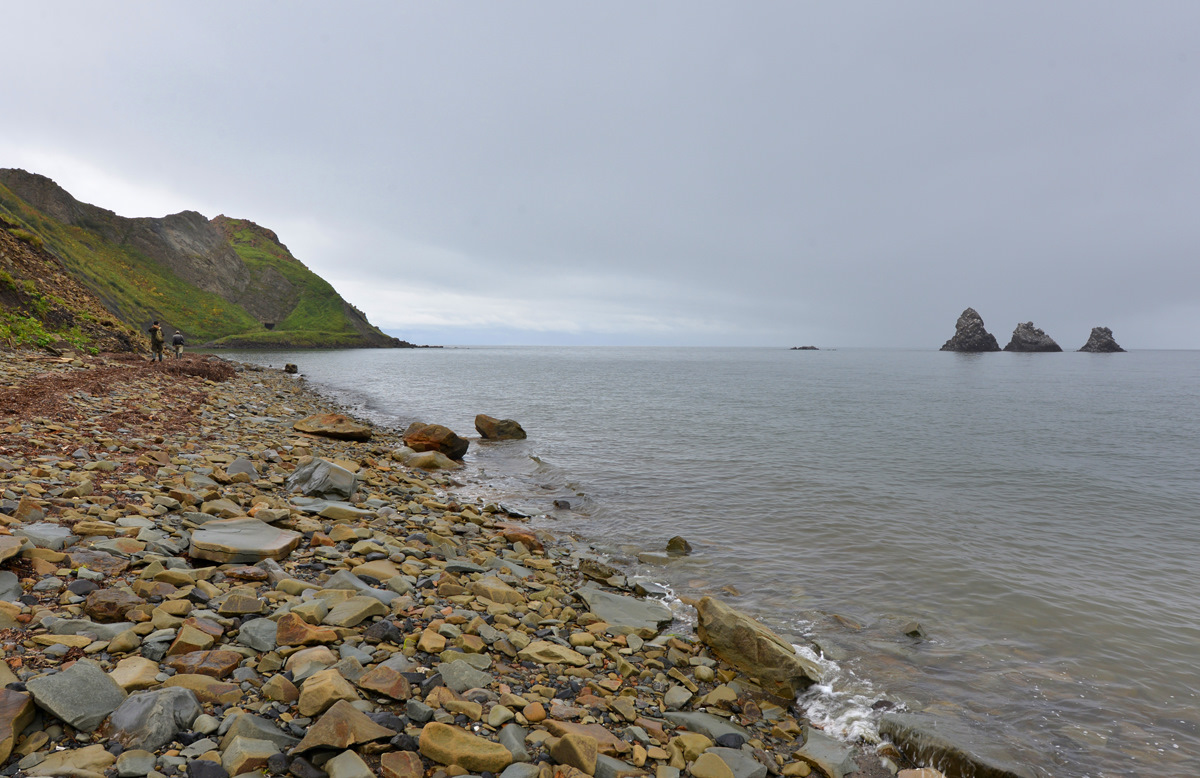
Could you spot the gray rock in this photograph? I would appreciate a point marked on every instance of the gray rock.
(348, 765)
(344, 579)
(951, 745)
(831, 756)
(242, 465)
(520, 770)
(10, 586)
(676, 697)
(1101, 342)
(1028, 338)
(608, 767)
(242, 541)
(742, 764)
(82, 695)
(149, 720)
(512, 737)
(46, 535)
(419, 711)
(970, 335)
(257, 728)
(460, 676)
(258, 634)
(131, 764)
(706, 724)
(647, 616)
(321, 478)
(400, 663)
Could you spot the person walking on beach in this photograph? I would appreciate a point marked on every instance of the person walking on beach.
(177, 342)
(156, 342)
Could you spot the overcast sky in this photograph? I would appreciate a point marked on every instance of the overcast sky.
(836, 173)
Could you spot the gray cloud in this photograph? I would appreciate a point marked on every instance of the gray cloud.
(779, 174)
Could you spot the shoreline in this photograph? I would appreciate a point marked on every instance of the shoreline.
(440, 549)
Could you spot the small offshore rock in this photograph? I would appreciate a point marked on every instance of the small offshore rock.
(970, 335)
(1101, 342)
(1028, 338)
(678, 546)
(498, 429)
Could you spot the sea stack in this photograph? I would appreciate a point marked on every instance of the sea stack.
(1027, 337)
(1101, 342)
(970, 335)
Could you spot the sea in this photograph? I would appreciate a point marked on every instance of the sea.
(1008, 541)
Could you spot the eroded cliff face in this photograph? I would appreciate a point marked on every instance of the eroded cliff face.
(212, 279)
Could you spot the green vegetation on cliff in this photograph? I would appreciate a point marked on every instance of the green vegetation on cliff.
(222, 282)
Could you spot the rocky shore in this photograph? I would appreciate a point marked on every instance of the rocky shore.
(191, 585)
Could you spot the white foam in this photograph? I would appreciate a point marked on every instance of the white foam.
(840, 703)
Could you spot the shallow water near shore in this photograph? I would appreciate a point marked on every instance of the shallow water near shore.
(1038, 515)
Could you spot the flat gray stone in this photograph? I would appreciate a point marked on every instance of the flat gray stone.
(149, 720)
(712, 727)
(608, 767)
(258, 634)
(344, 579)
(46, 535)
(242, 465)
(242, 541)
(742, 764)
(354, 611)
(640, 615)
(460, 676)
(82, 695)
(10, 586)
(676, 697)
(131, 764)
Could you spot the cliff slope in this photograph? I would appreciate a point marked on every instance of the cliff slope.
(222, 282)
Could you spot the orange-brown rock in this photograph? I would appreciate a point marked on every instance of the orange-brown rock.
(608, 743)
(209, 691)
(295, 631)
(16, 711)
(401, 764)
(333, 425)
(110, 605)
(342, 726)
(498, 429)
(435, 437)
(385, 680)
(215, 664)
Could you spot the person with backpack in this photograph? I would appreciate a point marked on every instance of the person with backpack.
(156, 342)
(177, 342)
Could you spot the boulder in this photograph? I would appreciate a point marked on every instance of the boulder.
(435, 437)
(149, 720)
(754, 649)
(950, 745)
(970, 335)
(1101, 342)
(322, 478)
(109, 605)
(333, 425)
(1027, 337)
(498, 429)
(243, 540)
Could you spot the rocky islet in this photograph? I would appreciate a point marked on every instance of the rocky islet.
(392, 631)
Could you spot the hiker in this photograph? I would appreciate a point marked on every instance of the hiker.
(156, 342)
(177, 342)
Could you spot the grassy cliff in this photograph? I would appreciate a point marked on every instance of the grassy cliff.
(222, 282)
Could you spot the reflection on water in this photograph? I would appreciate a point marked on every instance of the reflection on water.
(1034, 514)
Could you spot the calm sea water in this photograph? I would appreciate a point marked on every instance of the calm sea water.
(1038, 515)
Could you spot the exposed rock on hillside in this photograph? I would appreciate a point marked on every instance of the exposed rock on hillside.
(1101, 342)
(970, 335)
(1027, 337)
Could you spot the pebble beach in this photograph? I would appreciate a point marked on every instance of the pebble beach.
(189, 585)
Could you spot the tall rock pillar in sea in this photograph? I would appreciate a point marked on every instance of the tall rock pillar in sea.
(1101, 342)
(970, 335)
